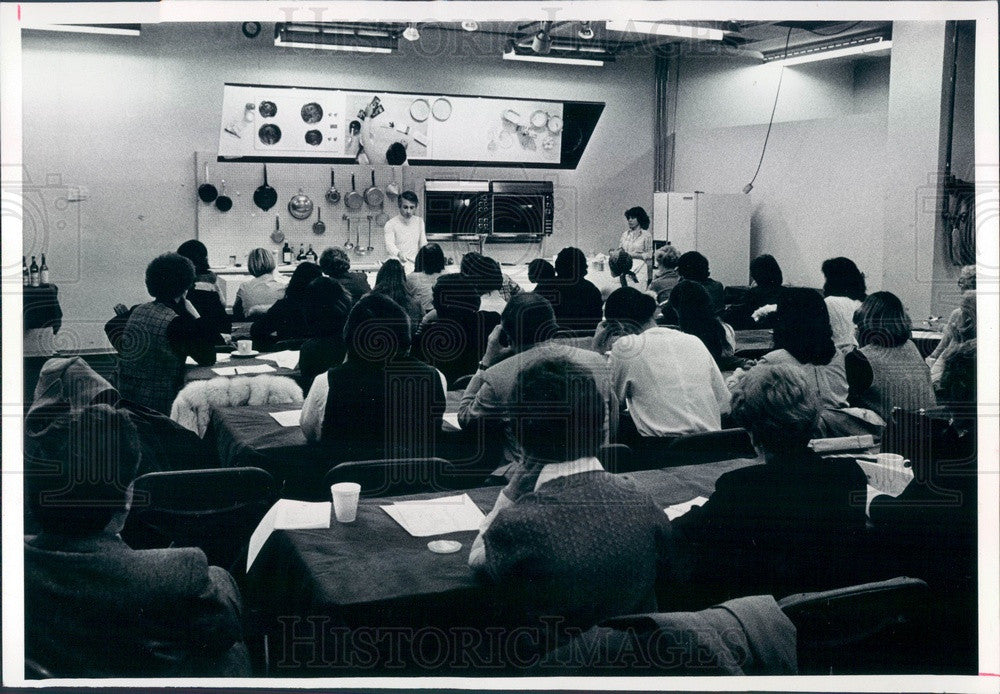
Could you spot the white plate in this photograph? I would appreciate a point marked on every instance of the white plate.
(441, 109)
(444, 546)
(539, 119)
(555, 125)
(244, 355)
(420, 110)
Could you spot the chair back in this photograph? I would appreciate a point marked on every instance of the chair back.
(616, 457)
(393, 477)
(461, 382)
(874, 628)
(710, 447)
(215, 509)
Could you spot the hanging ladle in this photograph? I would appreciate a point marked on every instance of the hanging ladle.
(370, 246)
(347, 244)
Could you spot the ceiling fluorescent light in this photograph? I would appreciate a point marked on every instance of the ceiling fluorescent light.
(332, 47)
(559, 60)
(816, 54)
(683, 31)
(355, 41)
(109, 29)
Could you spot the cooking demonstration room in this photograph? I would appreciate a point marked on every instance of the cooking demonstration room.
(303, 284)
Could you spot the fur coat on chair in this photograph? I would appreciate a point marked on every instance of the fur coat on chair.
(193, 406)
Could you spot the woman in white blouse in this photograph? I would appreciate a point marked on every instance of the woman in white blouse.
(637, 240)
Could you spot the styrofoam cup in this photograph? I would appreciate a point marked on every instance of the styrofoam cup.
(345, 500)
(244, 346)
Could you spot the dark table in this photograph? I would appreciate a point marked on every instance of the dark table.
(328, 595)
(204, 373)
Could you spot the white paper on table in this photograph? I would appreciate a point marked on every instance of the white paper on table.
(842, 443)
(451, 418)
(287, 514)
(426, 517)
(887, 479)
(288, 418)
(678, 510)
(225, 370)
(220, 357)
(255, 369)
(287, 359)
(927, 335)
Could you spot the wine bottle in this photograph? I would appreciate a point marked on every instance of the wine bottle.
(286, 254)
(33, 270)
(25, 275)
(302, 253)
(43, 272)
(310, 254)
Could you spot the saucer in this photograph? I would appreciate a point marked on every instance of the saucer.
(244, 355)
(444, 546)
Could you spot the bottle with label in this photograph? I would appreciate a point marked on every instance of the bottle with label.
(286, 254)
(33, 272)
(302, 253)
(43, 272)
(310, 254)
(25, 275)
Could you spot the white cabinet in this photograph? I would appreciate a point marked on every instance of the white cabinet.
(715, 225)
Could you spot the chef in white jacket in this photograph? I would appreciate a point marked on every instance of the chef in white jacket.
(404, 233)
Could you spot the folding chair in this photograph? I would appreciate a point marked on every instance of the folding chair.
(393, 477)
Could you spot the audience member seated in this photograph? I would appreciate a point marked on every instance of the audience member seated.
(694, 266)
(288, 318)
(255, 296)
(380, 403)
(329, 303)
(542, 275)
(523, 337)
(695, 316)
(94, 607)
(790, 525)
(620, 266)
(765, 286)
(427, 267)
(336, 264)
(485, 275)
(454, 340)
(206, 295)
(575, 300)
(954, 372)
(391, 282)
(565, 538)
(667, 378)
(900, 378)
(154, 340)
(844, 290)
(623, 315)
(665, 273)
(966, 283)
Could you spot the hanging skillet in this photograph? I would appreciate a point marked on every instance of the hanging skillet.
(265, 196)
(373, 195)
(206, 191)
(224, 202)
(318, 226)
(332, 195)
(354, 200)
(300, 206)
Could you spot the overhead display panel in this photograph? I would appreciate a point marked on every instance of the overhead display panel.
(263, 123)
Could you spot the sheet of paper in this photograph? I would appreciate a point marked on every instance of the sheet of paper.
(287, 514)
(219, 358)
(426, 517)
(451, 419)
(886, 479)
(289, 418)
(255, 369)
(842, 443)
(287, 359)
(927, 335)
(260, 535)
(678, 510)
(225, 370)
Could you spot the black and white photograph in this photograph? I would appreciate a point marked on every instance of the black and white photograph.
(509, 345)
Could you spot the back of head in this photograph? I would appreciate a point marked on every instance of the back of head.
(429, 260)
(484, 272)
(967, 278)
(667, 257)
(630, 308)
(391, 281)
(454, 295)
(778, 406)
(639, 215)
(558, 412)
(260, 262)
(304, 274)
(620, 262)
(882, 321)
(843, 278)
(528, 319)
(83, 480)
(802, 326)
(168, 276)
(765, 271)
(195, 251)
(335, 262)
(377, 330)
(693, 266)
(540, 270)
(327, 305)
(571, 264)
(696, 315)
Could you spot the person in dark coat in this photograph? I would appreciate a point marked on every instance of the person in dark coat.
(792, 524)
(206, 294)
(288, 318)
(337, 264)
(329, 304)
(576, 301)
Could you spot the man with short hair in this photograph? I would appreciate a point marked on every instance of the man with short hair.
(404, 233)
(336, 264)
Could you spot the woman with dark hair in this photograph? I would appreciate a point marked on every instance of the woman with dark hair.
(765, 282)
(336, 263)
(329, 303)
(288, 318)
(694, 266)
(620, 266)
(625, 313)
(206, 294)
(900, 378)
(637, 240)
(844, 290)
(485, 275)
(391, 282)
(380, 403)
(427, 267)
(255, 296)
(576, 301)
(696, 317)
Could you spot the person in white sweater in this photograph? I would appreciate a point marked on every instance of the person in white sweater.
(404, 233)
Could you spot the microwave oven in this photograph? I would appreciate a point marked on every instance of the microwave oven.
(456, 208)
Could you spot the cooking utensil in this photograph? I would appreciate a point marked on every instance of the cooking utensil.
(441, 110)
(348, 244)
(300, 206)
(514, 118)
(370, 246)
(420, 110)
(318, 226)
(555, 125)
(392, 190)
(206, 191)
(267, 109)
(373, 195)
(269, 134)
(332, 195)
(224, 202)
(277, 236)
(314, 138)
(354, 200)
(312, 113)
(358, 248)
(265, 196)
(539, 119)
(381, 217)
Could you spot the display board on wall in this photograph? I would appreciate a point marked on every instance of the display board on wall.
(301, 124)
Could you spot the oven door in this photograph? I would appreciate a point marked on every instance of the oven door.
(518, 214)
(451, 213)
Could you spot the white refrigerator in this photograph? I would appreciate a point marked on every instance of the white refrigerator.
(715, 225)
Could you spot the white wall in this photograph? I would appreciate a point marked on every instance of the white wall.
(123, 117)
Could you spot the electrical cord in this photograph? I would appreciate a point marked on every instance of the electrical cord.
(749, 186)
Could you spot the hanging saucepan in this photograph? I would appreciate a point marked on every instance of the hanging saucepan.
(332, 195)
(224, 202)
(265, 196)
(392, 190)
(354, 200)
(318, 226)
(300, 206)
(277, 236)
(206, 191)
(373, 195)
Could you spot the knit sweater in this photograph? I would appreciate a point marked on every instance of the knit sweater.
(900, 378)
